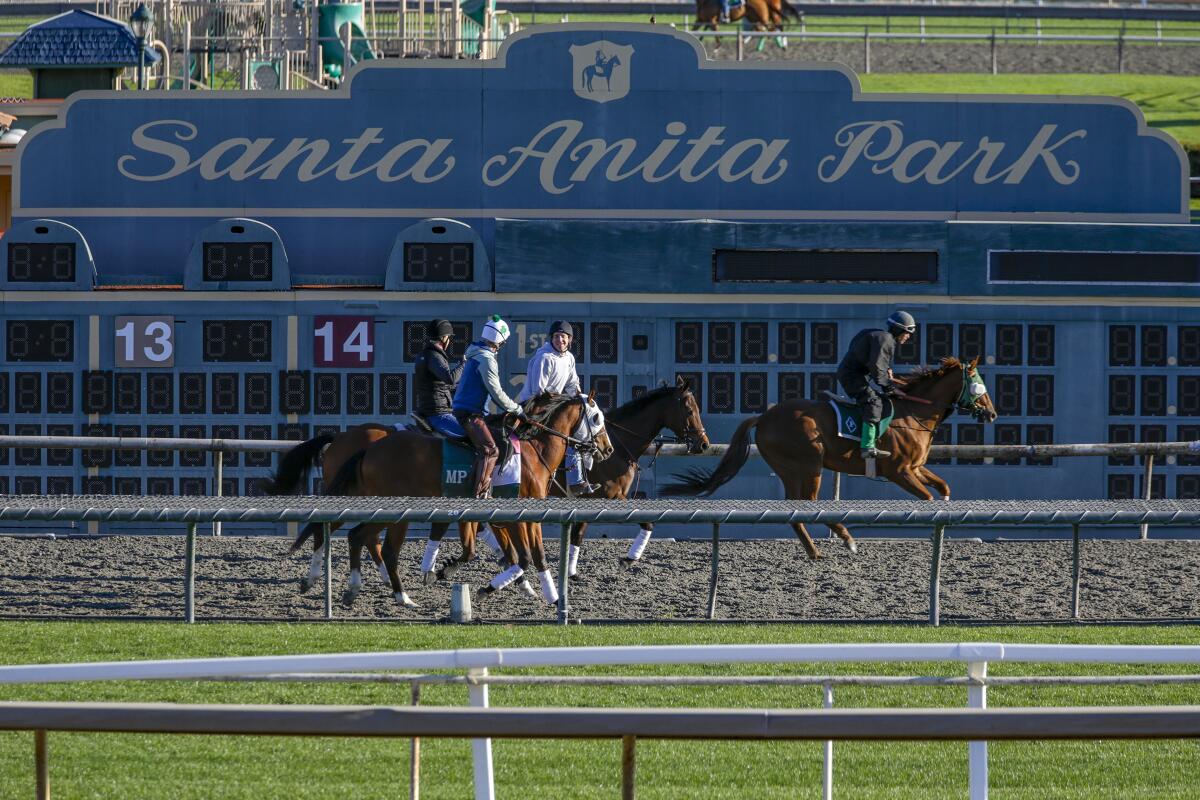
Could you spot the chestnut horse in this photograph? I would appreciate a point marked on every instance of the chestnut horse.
(764, 15)
(632, 429)
(799, 438)
(553, 422)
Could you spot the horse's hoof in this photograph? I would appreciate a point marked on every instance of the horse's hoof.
(486, 590)
(447, 572)
(625, 562)
(403, 599)
(306, 584)
(349, 597)
(429, 578)
(528, 589)
(853, 545)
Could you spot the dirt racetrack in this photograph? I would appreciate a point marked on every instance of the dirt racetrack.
(239, 577)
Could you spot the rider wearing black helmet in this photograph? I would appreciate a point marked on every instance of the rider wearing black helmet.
(867, 365)
(434, 380)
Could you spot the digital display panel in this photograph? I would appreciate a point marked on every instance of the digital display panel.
(1041, 345)
(1060, 267)
(237, 261)
(1121, 343)
(41, 262)
(826, 266)
(32, 340)
(439, 262)
(232, 340)
(1009, 350)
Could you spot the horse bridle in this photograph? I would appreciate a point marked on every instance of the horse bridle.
(961, 404)
(581, 445)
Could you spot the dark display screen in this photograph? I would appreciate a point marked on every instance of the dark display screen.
(40, 340)
(439, 262)
(237, 261)
(1050, 267)
(41, 262)
(237, 340)
(826, 266)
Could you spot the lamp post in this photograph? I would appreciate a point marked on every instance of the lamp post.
(140, 23)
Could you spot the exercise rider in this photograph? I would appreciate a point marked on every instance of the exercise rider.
(866, 375)
(434, 380)
(481, 382)
(552, 369)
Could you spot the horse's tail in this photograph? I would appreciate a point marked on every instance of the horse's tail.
(297, 464)
(790, 10)
(305, 534)
(348, 477)
(700, 482)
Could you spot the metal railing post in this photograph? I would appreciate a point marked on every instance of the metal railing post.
(827, 762)
(741, 47)
(1075, 571)
(1148, 482)
(328, 570)
(867, 50)
(977, 751)
(189, 576)
(563, 558)
(481, 749)
(628, 767)
(219, 472)
(995, 70)
(716, 566)
(41, 765)
(935, 576)
(414, 767)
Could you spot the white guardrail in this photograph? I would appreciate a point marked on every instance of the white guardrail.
(975, 723)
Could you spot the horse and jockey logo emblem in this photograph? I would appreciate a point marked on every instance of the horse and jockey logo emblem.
(600, 70)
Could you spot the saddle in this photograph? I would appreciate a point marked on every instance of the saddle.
(849, 415)
(495, 424)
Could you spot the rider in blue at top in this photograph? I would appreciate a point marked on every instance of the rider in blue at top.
(725, 10)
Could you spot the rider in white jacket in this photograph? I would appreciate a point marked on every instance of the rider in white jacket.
(552, 369)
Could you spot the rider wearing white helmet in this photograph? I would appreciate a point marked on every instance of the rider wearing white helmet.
(481, 381)
(867, 365)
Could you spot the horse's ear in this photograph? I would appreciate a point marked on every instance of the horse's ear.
(681, 383)
(974, 363)
(592, 394)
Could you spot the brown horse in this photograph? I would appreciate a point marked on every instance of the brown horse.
(385, 469)
(632, 429)
(764, 15)
(799, 438)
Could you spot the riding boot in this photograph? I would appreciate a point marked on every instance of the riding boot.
(486, 454)
(870, 430)
(485, 465)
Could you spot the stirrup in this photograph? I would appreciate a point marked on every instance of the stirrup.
(585, 488)
(873, 453)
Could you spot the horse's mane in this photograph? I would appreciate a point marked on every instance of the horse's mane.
(923, 375)
(624, 412)
(542, 407)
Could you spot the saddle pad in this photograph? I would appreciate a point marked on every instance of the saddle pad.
(849, 419)
(458, 465)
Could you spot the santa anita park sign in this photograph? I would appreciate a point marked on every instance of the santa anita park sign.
(601, 121)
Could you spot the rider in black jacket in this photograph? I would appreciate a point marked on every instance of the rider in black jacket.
(434, 380)
(866, 373)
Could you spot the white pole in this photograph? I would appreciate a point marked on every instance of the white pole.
(827, 767)
(977, 754)
(481, 749)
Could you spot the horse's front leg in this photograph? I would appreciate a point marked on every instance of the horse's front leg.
(316, 567)
(359, 536)
(909, 479)
(638, 546)
(429, 559)
(505, 537)
(537, 552)
(928, 478)
(577, 531)
(466, 537)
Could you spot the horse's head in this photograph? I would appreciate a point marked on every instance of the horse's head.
(590, 429)
(684, 418)
(974, 398)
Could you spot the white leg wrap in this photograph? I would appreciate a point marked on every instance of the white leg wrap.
(527, 587)
(946, 497)
(383, 573)
(403, 599)
(489, 539)
(317, 565)
(572, 560)
(431, 553)
(505, 578)
(549, 590)
(638, 545)
(355, 579)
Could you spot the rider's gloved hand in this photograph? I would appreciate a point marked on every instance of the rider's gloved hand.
(890, 391)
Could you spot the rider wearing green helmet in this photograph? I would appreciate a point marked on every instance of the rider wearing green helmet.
(866, 373)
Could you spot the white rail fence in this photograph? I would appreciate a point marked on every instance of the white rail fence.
(975, 723)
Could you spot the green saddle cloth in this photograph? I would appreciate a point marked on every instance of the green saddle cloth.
(458, 465)
(849, 418)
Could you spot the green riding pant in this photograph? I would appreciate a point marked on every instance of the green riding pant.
(870, 432)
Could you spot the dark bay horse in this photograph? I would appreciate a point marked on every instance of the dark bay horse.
(632, 428)
(385, 468)
(799, 438)
(764, 15)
